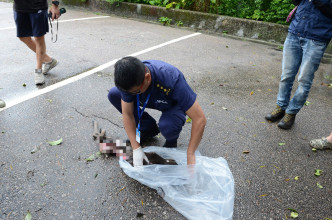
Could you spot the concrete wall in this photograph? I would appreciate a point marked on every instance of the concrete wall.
(263, 32)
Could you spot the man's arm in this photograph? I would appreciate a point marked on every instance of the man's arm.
(325, 6)
(130, 127)
(129, 122)
(197, 116)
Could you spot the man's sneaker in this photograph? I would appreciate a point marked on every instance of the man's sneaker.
(2, 103)
(276, 114)
(321, 144)
(287, 121)
(39, 77)
(50, 65)
(169, 144)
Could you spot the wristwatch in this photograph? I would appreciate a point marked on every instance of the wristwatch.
(56, 3)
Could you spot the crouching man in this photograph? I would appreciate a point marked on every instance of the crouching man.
(157, 85)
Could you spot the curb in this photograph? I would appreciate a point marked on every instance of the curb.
(244, 29)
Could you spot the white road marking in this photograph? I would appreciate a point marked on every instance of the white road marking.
(88, 73)
(62, 21)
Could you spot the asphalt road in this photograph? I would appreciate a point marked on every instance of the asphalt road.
(236, 82)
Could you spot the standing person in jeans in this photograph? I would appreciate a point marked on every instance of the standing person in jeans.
(31, 18)
(308, 36)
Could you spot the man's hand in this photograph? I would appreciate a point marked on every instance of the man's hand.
(191, 159)
(138, 157)
(197, 116)
(55, 12)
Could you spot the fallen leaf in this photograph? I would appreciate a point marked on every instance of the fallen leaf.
(142, 202)
(330, 86)
(93, 156)
(53, 143)
(318, 172)
(122, 189)
(262, 166)
(28, 216)
(49, 100)
(37, 148)
(188, 120)
(212, 103)
(287, 179)
(245, 152)
(252, 92)
(314, 149)
(224, 108)
(293, 210)
(3, 132)
(320, 186)
(296, 178)
(263, 195)
(96, 175)
(10, 166)
(24, 85)
(282, 144)
(307, 103)
(294, 214)
(43, 184)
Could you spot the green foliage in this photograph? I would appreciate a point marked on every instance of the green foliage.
(274, 11)
(165, 20)
(115, 1)
(179, 23)
(264, 10)
(162, 3)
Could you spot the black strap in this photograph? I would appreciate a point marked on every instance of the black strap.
(57, 28)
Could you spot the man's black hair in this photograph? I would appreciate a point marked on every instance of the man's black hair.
(128, 73)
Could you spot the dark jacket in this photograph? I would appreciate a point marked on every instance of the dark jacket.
(313, 20)
(30, 6)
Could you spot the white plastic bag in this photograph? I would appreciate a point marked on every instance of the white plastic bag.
(203, 191)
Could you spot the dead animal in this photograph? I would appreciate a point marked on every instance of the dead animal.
(122, 148)
(154, 158)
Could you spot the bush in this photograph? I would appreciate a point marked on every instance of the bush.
(274, 11)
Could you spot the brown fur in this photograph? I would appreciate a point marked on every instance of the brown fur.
(154, 158)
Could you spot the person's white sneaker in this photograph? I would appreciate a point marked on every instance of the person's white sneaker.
(2, 103)
(50, 65)
(39, 77)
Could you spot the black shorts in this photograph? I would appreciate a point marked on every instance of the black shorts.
(31, 24)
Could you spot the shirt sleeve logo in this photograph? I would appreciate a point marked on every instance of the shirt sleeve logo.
(163, 89)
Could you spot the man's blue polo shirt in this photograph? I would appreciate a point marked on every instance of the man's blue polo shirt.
(168, 88)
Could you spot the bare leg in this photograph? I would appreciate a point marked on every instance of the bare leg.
(32, 44)
(329, 138)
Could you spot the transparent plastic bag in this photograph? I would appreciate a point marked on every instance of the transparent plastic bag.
(203, 191)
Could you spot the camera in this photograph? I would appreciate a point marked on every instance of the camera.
(62, 11)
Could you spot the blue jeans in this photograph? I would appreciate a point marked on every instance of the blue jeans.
(299, 54)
